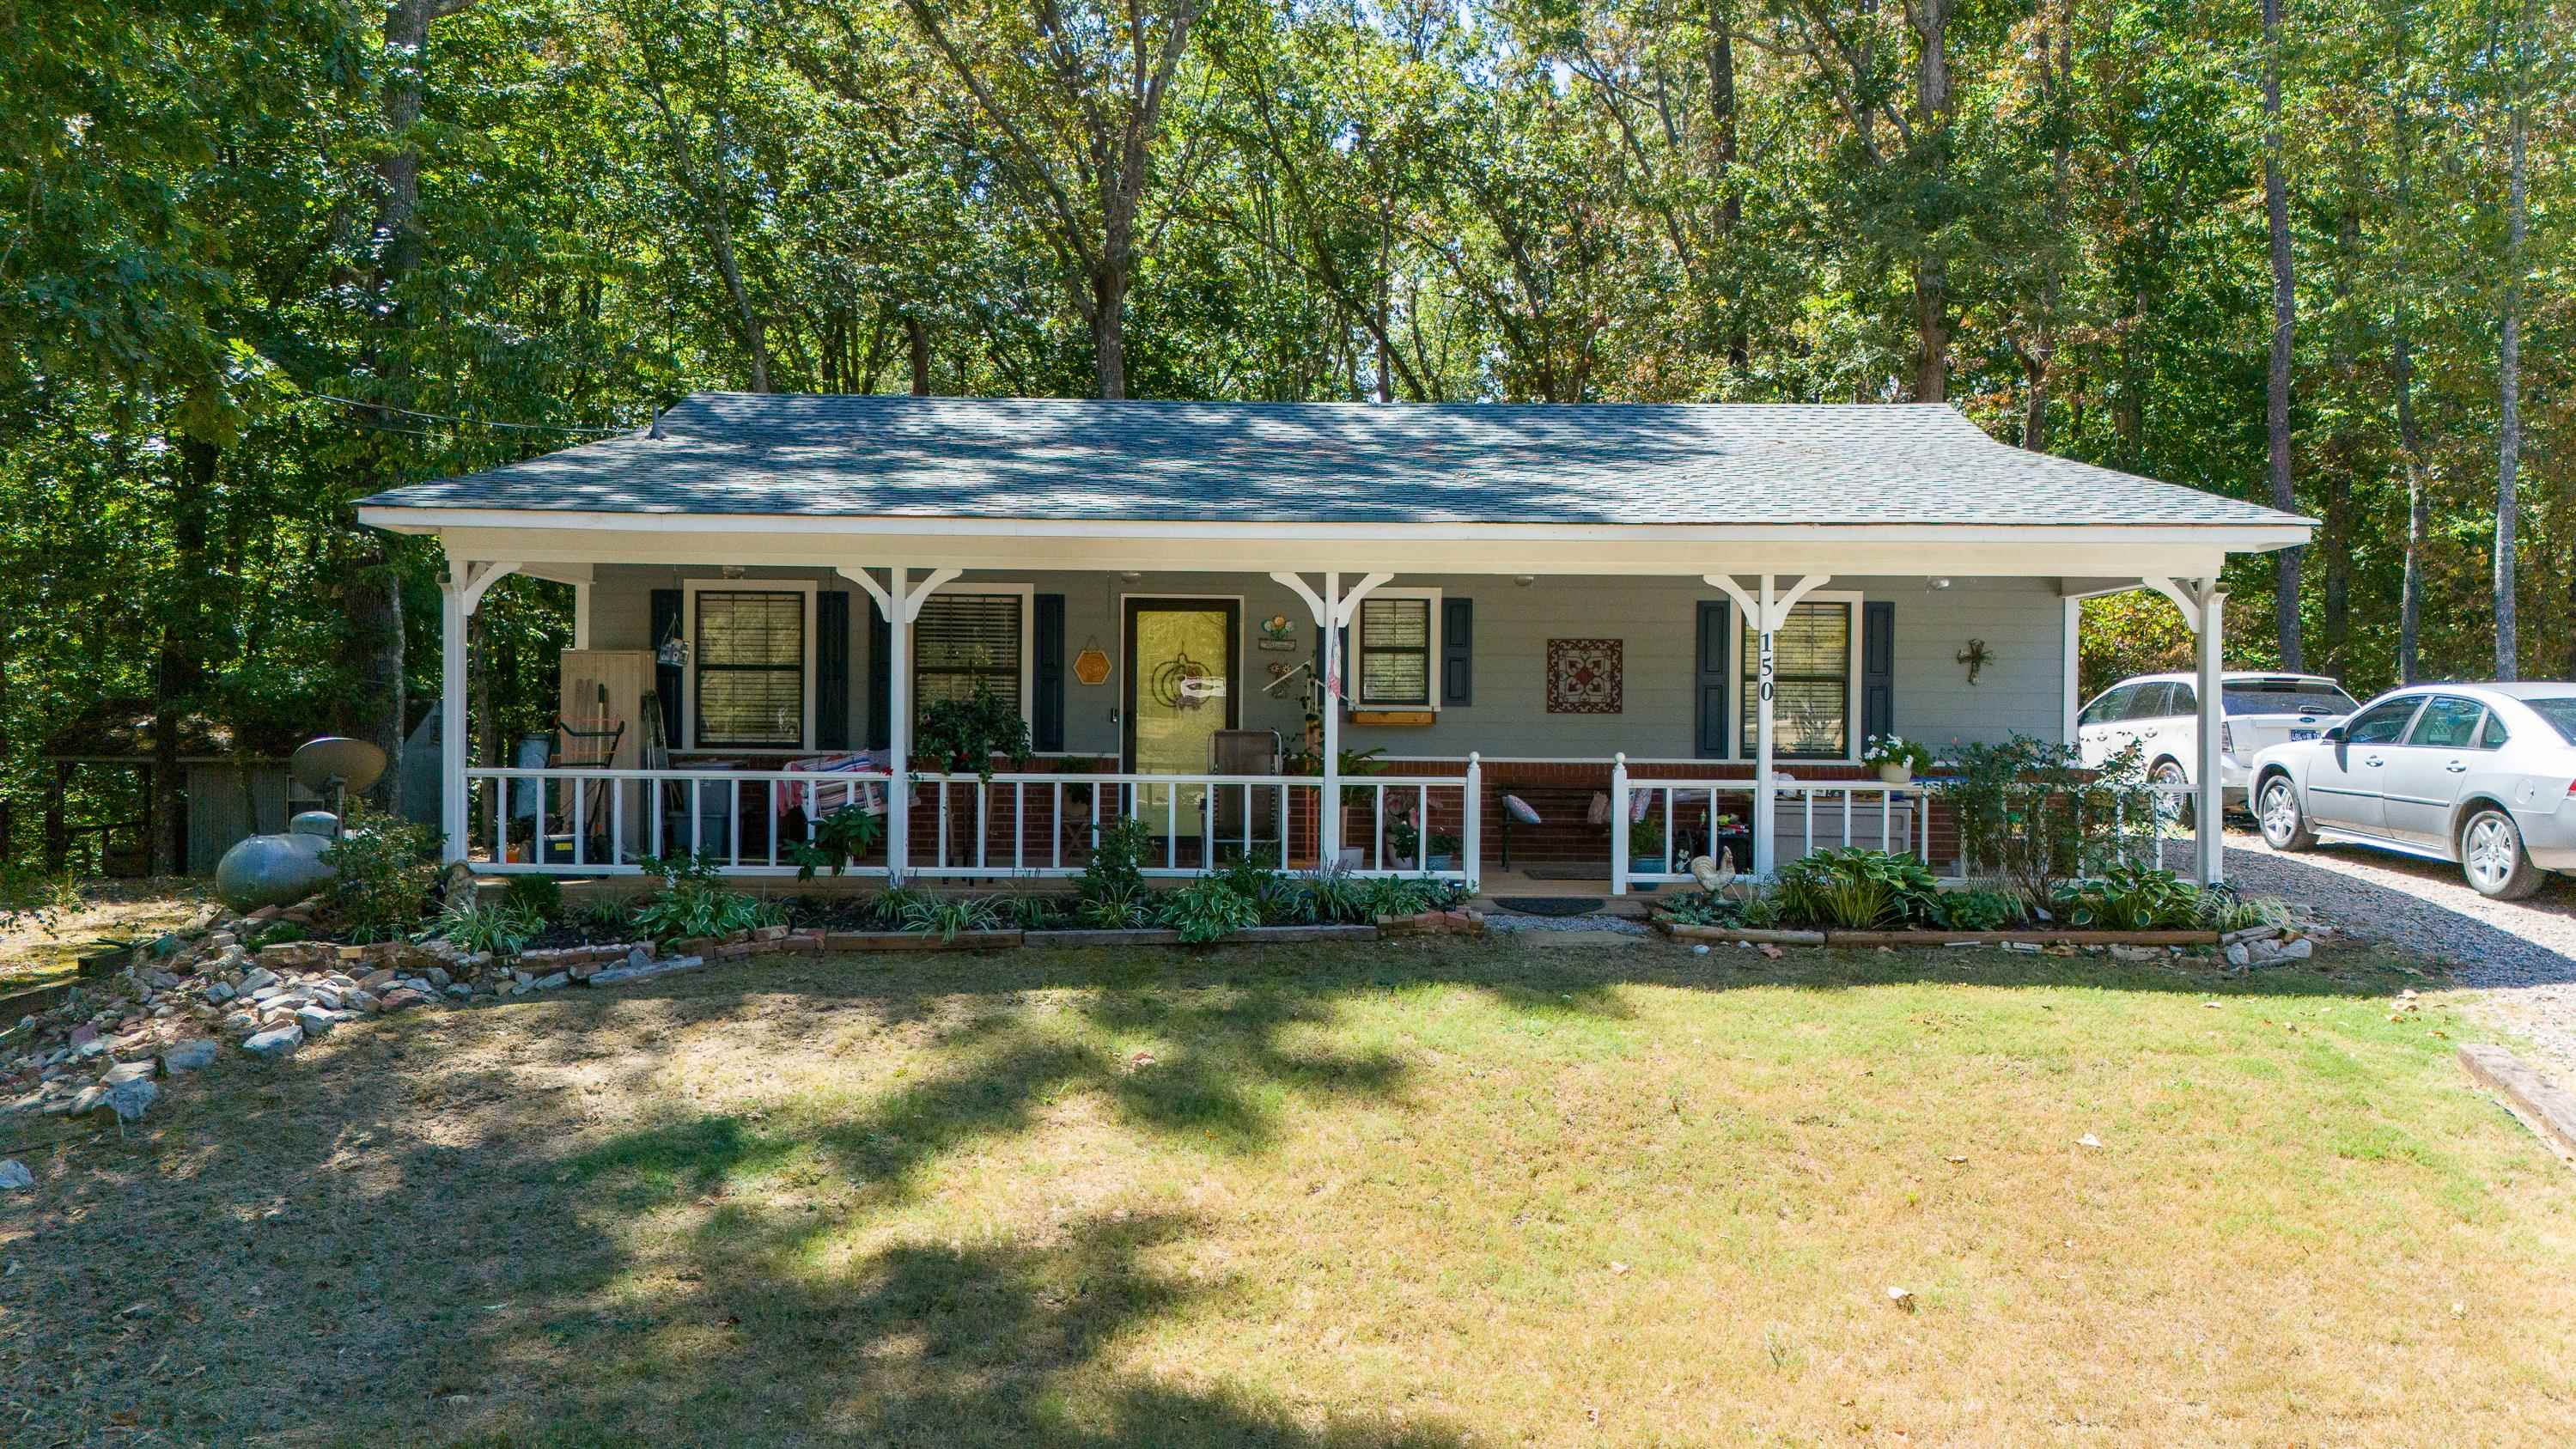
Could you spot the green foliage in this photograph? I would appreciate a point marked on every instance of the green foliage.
(965, 734)
(1897, 750)
(33, 897)
(1206, 909)
(540, 896)
(1278, 898)
(384, 869)
(889, 906)
(948, 917)
(1859, 890)
(694, 902)
(1337, 897)
(1979, 909)
(841, 837)
(2128, 898)
(2031, 815)
(1705, 908)
(1116, 867)
(502, 927)
(276, 933)
(1112, 908)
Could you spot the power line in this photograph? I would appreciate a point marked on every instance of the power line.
(477, 422)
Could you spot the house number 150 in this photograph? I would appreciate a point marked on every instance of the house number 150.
(1766, 666)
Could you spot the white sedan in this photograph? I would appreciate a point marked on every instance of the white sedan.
(2160, 714)
(2482, 775)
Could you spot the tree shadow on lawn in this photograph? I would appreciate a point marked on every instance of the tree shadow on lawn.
(401, 1237)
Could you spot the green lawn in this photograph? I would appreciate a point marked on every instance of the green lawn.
(1438, 1193)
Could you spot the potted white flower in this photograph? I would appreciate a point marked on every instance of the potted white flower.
(1897, 758)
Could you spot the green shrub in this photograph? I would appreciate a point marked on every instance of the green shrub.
(948, 916)
(839, 838)
(384, 868)
(1206, 909)
(1112, 909)
(2128, 898)
(1705, 909)
(2032, 815)
(1859, 890)
(502, 928)
(1335, 896)
(888, 906)
(541, 896)
(1979, 909)
(1276, 897)
(1116, 867)
(693, 902)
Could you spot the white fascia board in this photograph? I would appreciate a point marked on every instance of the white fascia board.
(2091, 552)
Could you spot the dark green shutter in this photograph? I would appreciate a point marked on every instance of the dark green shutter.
(666, 677)
(1048, 708)
(832, 670)
(1877, 668)
(1716, 648)
(880, 678)
(1457, 651)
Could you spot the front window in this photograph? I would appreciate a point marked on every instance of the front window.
(2382, 723)
(750, 658)
(2111, 707)
(961, 641)
(1395, 645)
(1811, 684)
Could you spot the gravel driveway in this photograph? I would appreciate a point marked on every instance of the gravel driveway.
(2521, 954)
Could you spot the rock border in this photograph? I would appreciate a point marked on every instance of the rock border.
(1834, 938)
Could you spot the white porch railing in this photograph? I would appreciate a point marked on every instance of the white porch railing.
(588, 821)
(585, 821)
(1812, 815)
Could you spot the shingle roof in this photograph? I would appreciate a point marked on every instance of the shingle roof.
(1053, 459)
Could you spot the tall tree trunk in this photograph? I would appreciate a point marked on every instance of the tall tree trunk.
(916, 340)
(1724, 151)
(1931, 271)
(2340, 366)
(2401, 371)
(2285, 305)
(179, 673)
(2509, 370)
(1108, 318)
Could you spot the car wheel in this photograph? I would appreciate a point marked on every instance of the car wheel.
(2285, 825)
(2492, 857)
(2171, 809)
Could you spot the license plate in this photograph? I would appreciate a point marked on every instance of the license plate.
(2303, 734)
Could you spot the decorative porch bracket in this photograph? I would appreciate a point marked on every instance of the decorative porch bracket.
(2204, 609)
(1766, 614)
(900, 600)
(1331, 610)
(459, 595)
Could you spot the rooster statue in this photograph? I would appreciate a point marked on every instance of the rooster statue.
(1714, 876)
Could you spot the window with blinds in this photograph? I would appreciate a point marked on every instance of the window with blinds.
(963, 640)
(1811, 684)
(749, 652)
(1395, 649)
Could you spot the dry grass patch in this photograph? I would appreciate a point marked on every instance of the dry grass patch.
(59, 921)
(1436, 1193)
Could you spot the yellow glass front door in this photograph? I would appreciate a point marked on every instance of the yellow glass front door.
(1180, 692)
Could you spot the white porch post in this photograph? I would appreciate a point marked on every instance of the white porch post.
(1328, 808)
(1766, 613)
(898, 726)
(451, 712)
(2209, 832)
(581, 616)
(459, 595)
(900, 601)
(1331, 610)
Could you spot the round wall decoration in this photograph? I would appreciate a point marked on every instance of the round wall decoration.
(1091, 666)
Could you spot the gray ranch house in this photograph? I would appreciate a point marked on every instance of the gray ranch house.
(1525, 643)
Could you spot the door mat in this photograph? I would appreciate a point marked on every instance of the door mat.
(1600, 871)
(1549, 905)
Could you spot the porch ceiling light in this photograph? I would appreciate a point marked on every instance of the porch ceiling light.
(1524, 580)
(1934, 585)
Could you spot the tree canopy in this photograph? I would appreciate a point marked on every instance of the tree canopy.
(261, 259)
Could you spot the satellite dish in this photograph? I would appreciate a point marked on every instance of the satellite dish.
(334, 764)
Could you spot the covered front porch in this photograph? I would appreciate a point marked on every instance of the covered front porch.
(1523, 733)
